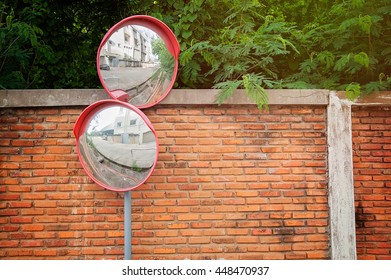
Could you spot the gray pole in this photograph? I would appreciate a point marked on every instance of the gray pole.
(128, 225)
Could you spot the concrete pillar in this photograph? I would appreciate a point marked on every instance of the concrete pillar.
(341, 187)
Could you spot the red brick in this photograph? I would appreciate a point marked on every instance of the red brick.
(9, 196)
(93, 251)
(20, 204)
(21, 220)
(199, 240)
(21, 127)
(5, 143)
(33, 181)
(8, 243)
(266, 231)
(164, 251)
(20, 252)
(219, 195)
(45, 204)
(369, 148)
(33, 227)
(58, 196)
(9, 165)
(31, 243)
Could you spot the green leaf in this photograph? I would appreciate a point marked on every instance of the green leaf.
(326, 58)
(8, 21)
(357, 3)
(187, 34)
(209, 58)
(185, 26)
(342, 62)
(374, 87)
(353, 91)
(365, 23)
(191, 72)
(192, 17)
(226, 90)
(347, 24)
(307, 66)
(382, 77)
(186, 56)
(362, 58)
(252, 83)
(199, 2)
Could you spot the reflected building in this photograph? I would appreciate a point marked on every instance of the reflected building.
(136, 65)
(118, 147)
(129, 46)
(128, 128)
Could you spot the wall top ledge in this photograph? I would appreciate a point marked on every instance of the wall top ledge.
(382, 98)
(84, 97)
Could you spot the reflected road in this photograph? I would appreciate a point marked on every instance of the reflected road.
(130, 155)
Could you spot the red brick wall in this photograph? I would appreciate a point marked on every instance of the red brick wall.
(372, 181)
(231, 183)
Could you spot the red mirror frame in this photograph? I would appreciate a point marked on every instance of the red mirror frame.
(163, 31)
(81, 126)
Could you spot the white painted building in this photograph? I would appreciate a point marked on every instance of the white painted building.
(130, 46)
(132, 129)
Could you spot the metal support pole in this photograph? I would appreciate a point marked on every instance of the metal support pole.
(128, 225)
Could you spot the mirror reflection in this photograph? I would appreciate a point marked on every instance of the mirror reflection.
(136, 62)
(118, 148)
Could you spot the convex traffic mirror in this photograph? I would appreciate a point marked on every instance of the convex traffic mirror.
(137, 61)
(117, 145)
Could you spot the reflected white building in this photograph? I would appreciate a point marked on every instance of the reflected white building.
(127, 128)
(130, 46)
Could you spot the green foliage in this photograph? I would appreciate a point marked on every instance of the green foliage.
(353, 91)
(135, 167)
(251, 83)
(337, 45)
(52, 43)
(225, 44)
(167, 63)
(240, 54)
(346, 48)
(20, 47)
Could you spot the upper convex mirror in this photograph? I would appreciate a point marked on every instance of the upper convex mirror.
(117, 145)
(137, 61)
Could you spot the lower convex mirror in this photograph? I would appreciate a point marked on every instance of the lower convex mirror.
(117, 145)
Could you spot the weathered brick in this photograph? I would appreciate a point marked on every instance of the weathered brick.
(206, 185)
(370, 133)
(9, 243)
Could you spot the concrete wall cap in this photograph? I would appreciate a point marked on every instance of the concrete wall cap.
(82, 97)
